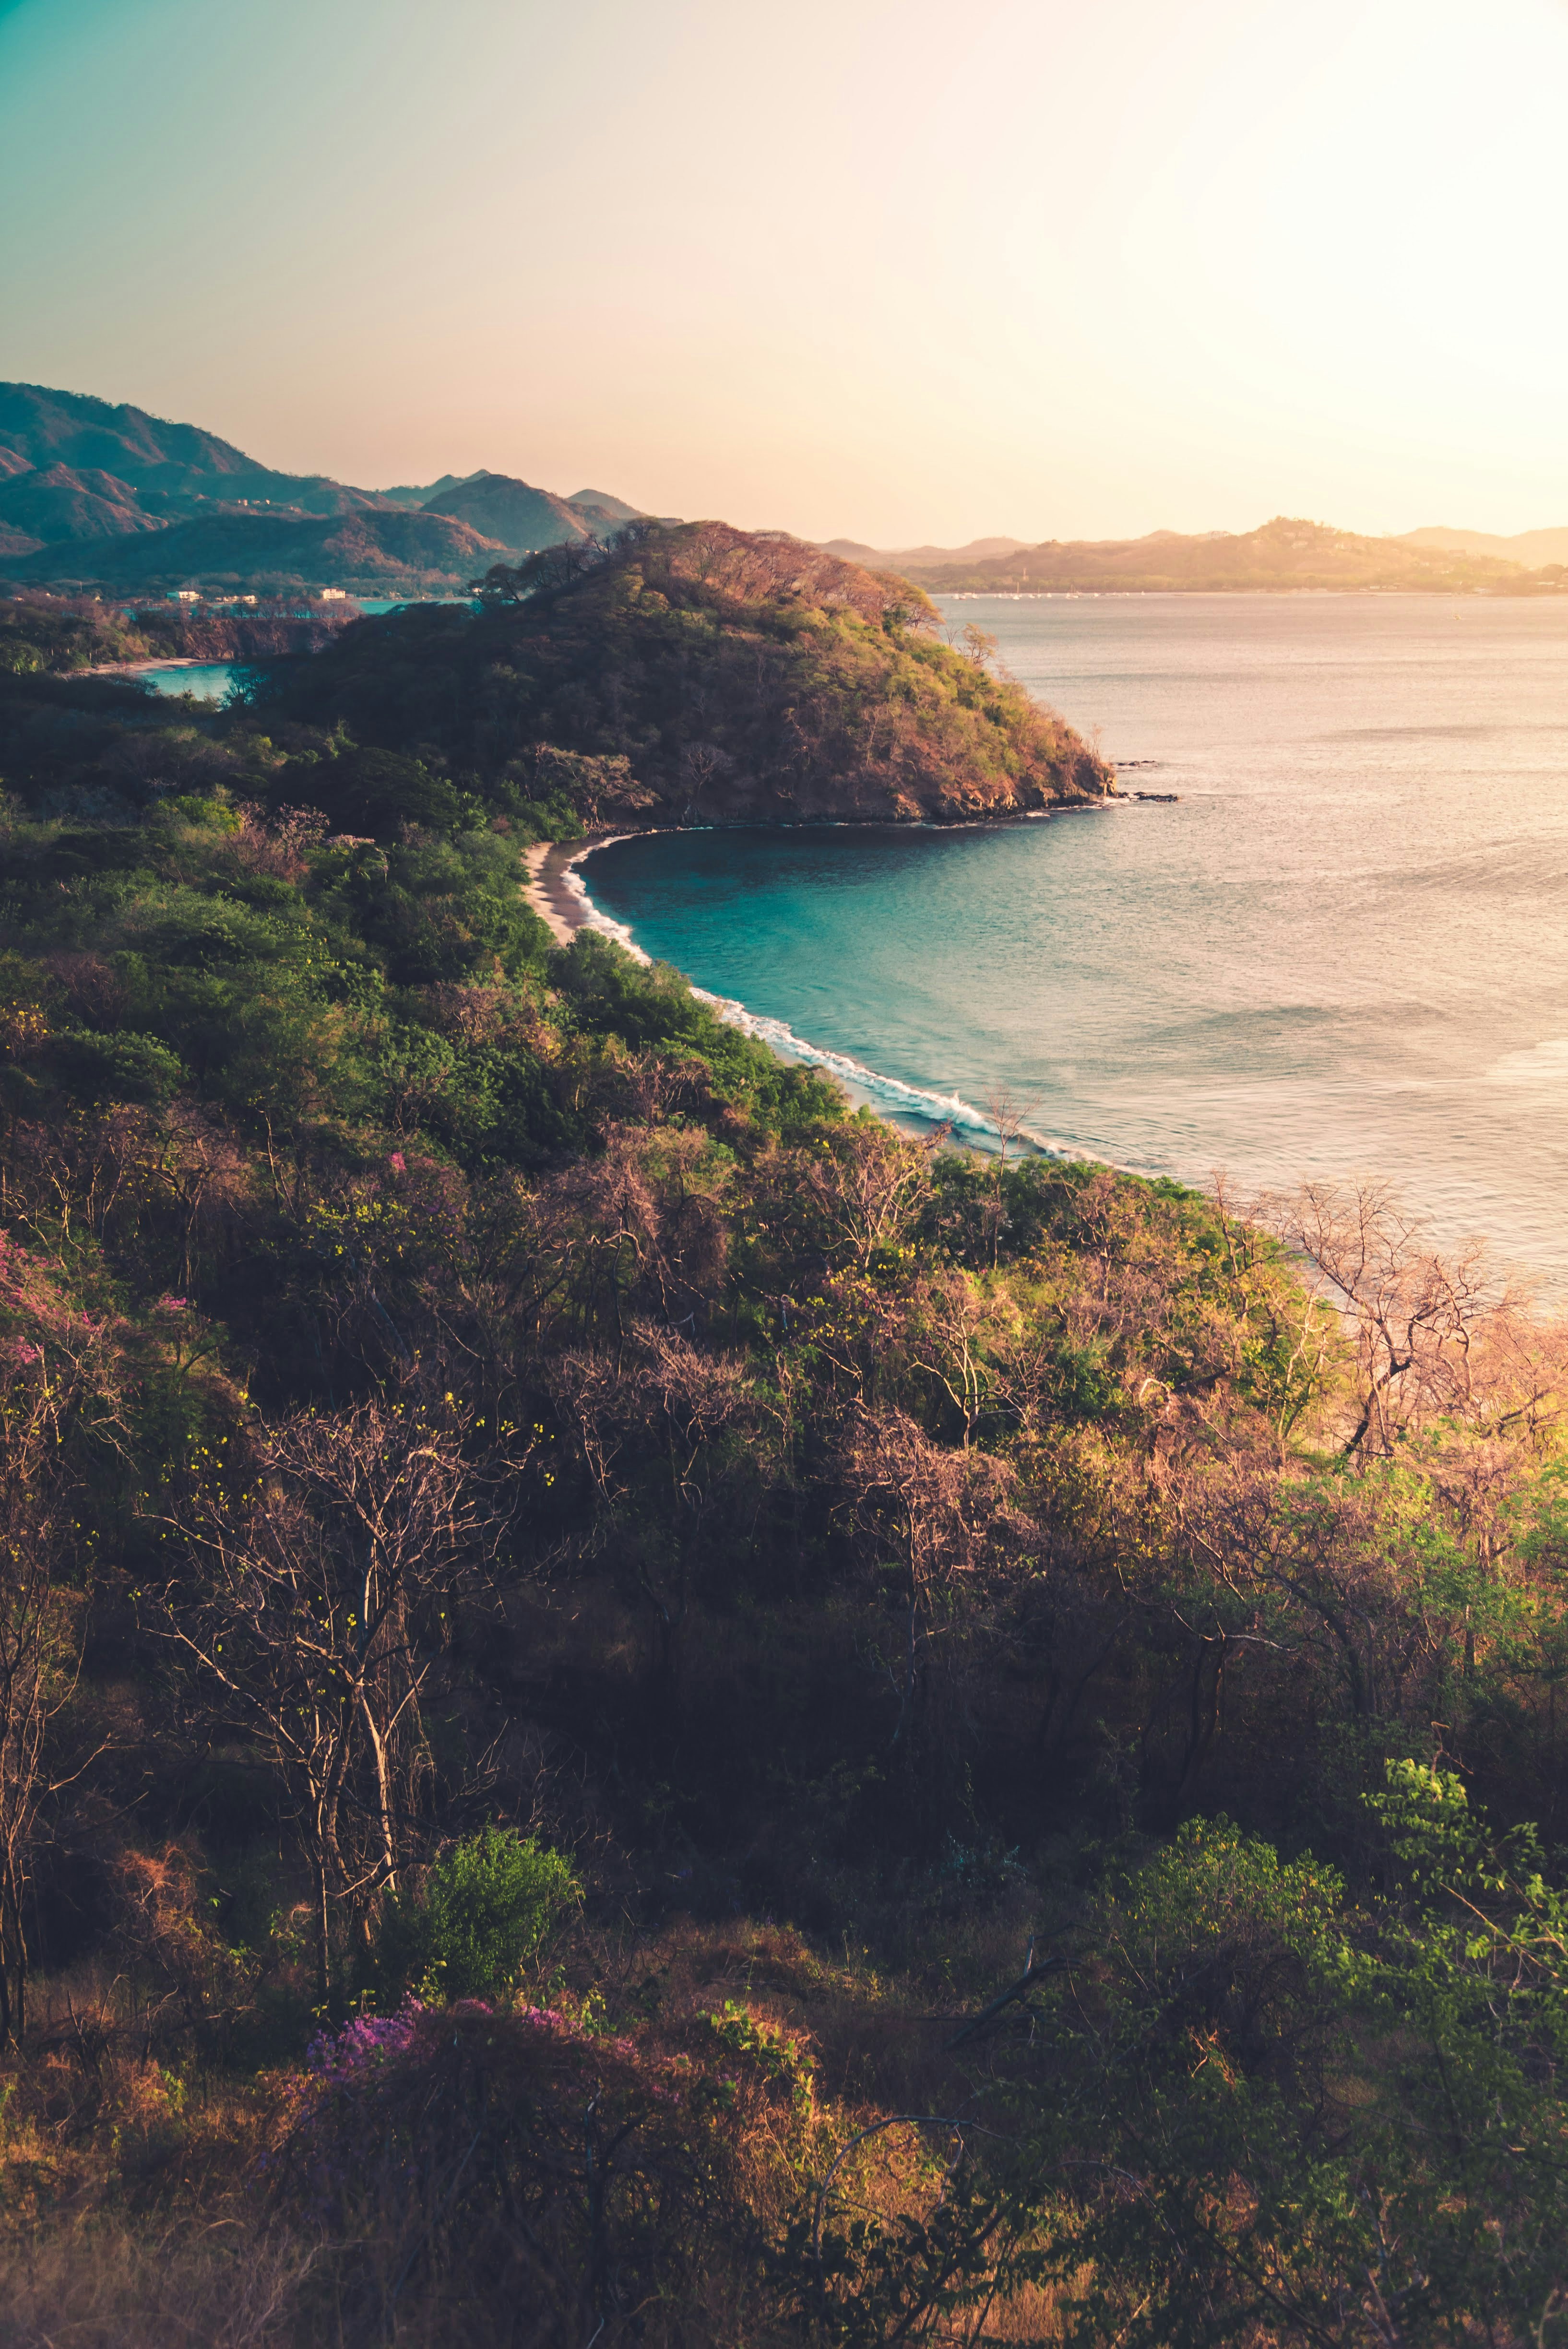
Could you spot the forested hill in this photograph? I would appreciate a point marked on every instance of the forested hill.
(698, 673)
(366, 554)
(99, 496)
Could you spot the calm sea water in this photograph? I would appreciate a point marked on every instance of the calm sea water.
(208, 680)
(1344, 952)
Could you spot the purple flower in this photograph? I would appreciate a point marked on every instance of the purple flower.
(336, 2055)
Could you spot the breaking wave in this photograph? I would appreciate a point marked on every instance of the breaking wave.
(909, 1100)
(594, 920)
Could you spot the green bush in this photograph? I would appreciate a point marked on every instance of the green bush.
(482, 1912)
(122, 1066)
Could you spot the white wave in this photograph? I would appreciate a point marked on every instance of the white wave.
(594, 920)
(914, 1100)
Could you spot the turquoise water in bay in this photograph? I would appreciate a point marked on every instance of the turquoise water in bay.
(1344, 952)
(208, 680)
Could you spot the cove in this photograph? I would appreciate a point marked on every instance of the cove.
(1342, 952)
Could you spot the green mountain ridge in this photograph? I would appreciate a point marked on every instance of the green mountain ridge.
(512, 513)
(63, 501)
(78, 473)
(362, 551)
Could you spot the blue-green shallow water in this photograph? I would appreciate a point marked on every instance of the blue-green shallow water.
(208, 680)
(1345, 952)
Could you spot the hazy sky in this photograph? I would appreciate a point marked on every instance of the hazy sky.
(889, 268)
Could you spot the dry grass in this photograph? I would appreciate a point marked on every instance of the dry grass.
(100, 2284)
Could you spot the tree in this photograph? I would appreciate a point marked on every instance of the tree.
(40, 1655)
(317, 1598)
(1431, 1334)
(937, 1509)
(59, 1395)
(480, 1915)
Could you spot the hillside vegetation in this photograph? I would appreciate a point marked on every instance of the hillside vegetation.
(715, 676)
(633, 1710)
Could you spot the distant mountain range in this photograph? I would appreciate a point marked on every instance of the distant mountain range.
(922, 558)
(1533, 547)
(1280, 555)
(93, 495)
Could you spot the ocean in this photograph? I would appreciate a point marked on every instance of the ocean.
(1341, 954)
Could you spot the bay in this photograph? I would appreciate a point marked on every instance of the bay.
(1343, 952)
(208, 680)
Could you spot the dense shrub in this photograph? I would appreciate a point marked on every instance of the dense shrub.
(481, 1915)
(527, 2178)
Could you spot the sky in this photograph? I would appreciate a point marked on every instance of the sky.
(886, 269)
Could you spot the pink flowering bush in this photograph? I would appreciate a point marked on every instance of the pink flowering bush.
(504, 2160)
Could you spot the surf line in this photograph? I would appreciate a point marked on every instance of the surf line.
(558, 894)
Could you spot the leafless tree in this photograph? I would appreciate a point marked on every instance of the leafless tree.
(40, 1655)
(867, 1188)
(700, 764)
(59, 1385)
(957, 1328)
(315, 1600)
(1008, 1112)
(1431, 1334)
(657, 1399)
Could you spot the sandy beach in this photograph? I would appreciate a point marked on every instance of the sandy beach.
(547, 889)
(137, 667)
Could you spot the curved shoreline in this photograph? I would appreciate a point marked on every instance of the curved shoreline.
(140, 668)
(545, 891)
(564, 905)
(561, 904)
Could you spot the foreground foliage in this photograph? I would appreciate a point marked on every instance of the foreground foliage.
(570, 1611)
